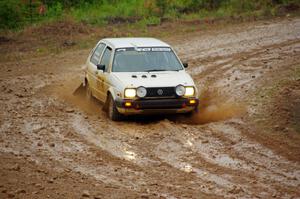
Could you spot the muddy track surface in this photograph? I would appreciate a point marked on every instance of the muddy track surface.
(55, 144)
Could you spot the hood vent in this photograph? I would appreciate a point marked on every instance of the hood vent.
(143, 76)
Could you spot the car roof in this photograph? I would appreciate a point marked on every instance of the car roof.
(128, 42)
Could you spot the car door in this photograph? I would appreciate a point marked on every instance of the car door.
(102, 76)
(92, 69)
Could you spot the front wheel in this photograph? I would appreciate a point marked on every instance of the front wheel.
(112, 110)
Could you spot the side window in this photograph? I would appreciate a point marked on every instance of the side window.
(106, 58)
(97, 54)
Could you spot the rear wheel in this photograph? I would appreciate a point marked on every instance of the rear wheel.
(112, 110)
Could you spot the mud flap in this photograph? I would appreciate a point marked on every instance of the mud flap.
(105, 105)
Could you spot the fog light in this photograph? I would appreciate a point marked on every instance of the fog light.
(128, 104)
(180, 90)
(192, 101)
(141, 91)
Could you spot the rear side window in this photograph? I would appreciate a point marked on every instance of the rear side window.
(97, 53)
(106, 58)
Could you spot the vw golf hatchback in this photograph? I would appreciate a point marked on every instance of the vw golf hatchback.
(138, 76)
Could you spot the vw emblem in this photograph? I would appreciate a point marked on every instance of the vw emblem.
(160, 91)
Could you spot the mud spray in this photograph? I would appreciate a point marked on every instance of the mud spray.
(214, 106)
(73, 92)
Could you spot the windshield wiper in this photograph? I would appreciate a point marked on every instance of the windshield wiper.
(153, 70)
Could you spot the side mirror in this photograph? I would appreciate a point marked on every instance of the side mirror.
(185, 65)
(100, 67)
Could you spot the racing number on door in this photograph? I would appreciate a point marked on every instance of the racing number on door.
(103, 86)
(92, 69)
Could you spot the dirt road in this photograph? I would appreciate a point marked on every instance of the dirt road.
(56, 145)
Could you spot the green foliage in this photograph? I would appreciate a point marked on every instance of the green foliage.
(17, 13)
(162, 5)
(10, 13)
(55, 11)
(69, 3)
(152, 21)
(100, 13)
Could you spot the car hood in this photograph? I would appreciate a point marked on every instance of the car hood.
(154, 79)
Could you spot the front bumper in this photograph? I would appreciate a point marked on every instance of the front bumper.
(154, 106)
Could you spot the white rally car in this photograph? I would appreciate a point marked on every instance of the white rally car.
(138, 76)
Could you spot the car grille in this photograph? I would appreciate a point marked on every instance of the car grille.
(161, 104)
(161, 92)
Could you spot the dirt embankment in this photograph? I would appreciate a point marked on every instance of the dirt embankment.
(243, 143)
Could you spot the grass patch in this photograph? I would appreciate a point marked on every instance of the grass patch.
(16, 14)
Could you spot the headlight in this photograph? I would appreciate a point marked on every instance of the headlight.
(141, 91)
(130, 92)
(189, 91)
(180, 90)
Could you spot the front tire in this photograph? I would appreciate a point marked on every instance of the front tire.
(112, 110)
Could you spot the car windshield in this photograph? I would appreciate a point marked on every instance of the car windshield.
(145, 60)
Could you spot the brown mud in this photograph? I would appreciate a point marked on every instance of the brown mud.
(216, 107)
(244, 141)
